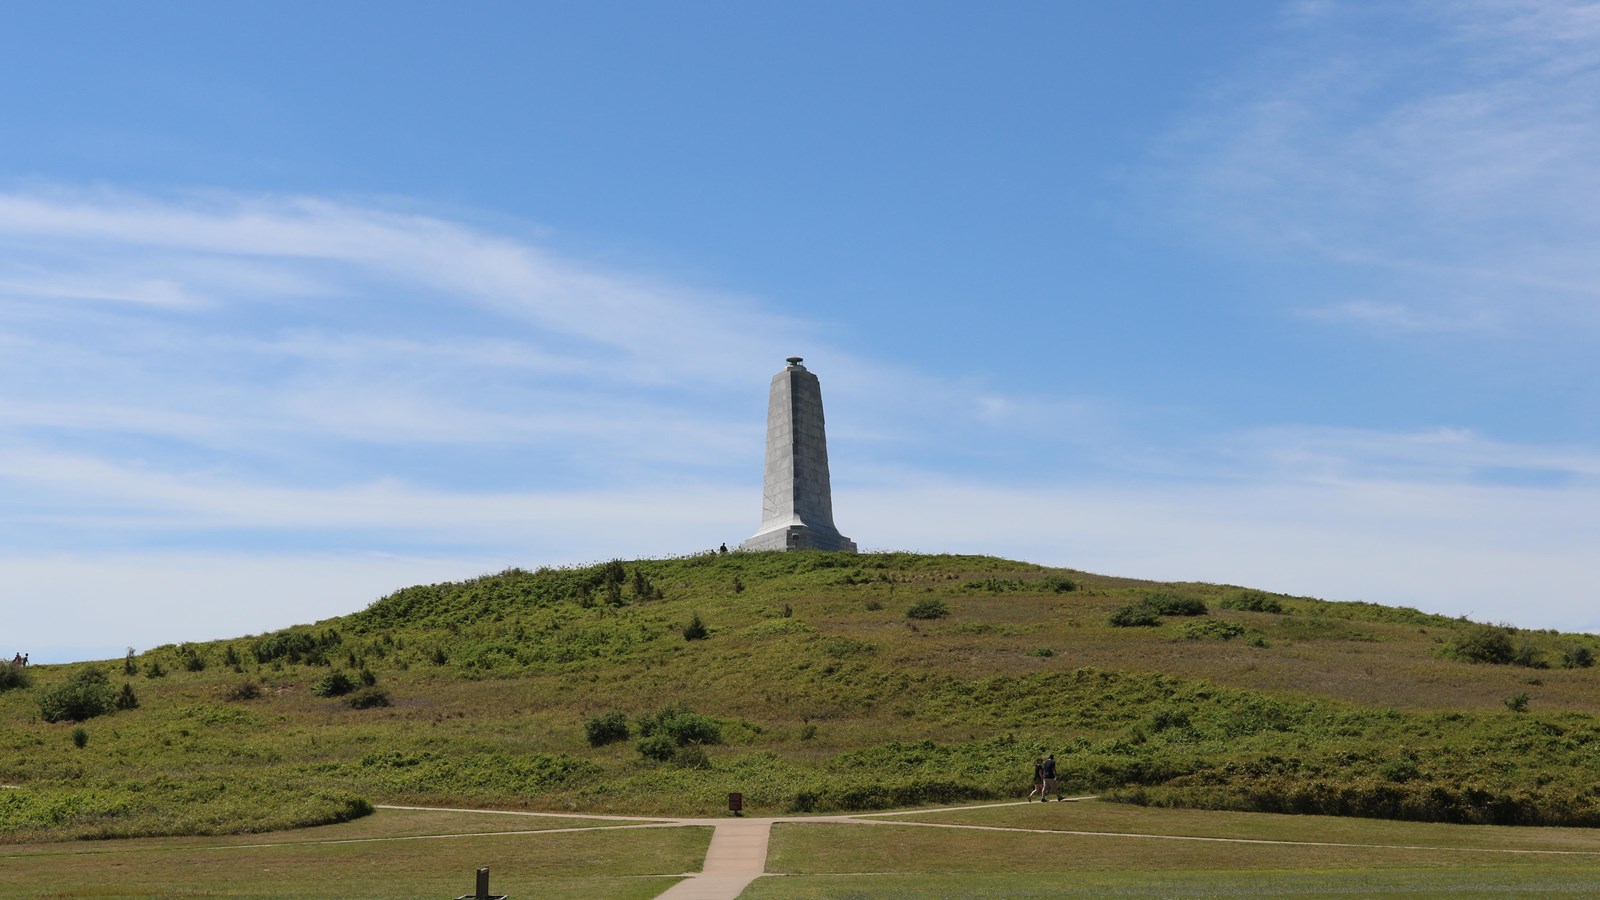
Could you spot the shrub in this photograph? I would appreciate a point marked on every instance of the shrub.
(928, 608)
(285, 644)
(367, 678)
(368, 698)
(244, 690)
(1135, 615)
(1400, 770)
(1577, 657)
(85, 695)
(129, 667)
(127, 699)
(13, 677)
(152, 669)
(1174, 605)
(606, 728)
(681, 725)
(1528, 655)
(80, 737)
(691, 757)
(190, 657)
(1042, 651)
(1482, 644)
(333, 684)
(1058, 584)
(658, 747)
(1212, 628)
(874, 605)
(1518, 702)
(696, 630)
(1252, 601)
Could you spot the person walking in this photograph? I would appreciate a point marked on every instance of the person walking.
(1047, 774)
(1038, 780)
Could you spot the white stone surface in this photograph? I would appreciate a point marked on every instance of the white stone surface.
(796, 496)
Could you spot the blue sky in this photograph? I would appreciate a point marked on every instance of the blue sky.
(303, 302)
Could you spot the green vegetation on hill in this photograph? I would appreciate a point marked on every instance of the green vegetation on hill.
(802, 681)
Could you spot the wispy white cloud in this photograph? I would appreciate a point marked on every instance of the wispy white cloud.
(324, 390)
(1447, 147)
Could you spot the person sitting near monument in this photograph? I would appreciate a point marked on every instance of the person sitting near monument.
(15, 660)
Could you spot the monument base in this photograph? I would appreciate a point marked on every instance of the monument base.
(799, 537)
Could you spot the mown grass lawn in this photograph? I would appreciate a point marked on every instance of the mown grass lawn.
(1021, 851)
(390, 854)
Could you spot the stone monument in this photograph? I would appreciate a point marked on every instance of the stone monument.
(796, 498)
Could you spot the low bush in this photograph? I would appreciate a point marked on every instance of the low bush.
(1212, 628)
(1175, 605)
(191, 658)
(696, 630)
(682, 726)
(85, 695)
(244, 690)
(1577, 656)
(368, 698)
(333, 684)
(658, 747)
(691, 757)
(606, 728)
(1528, 655)
(80, 737)
(1252, 601)
(1482, 644)
(126, 698)
(1058, 584)
(12, 677)
(1135, 615)
(928, 608)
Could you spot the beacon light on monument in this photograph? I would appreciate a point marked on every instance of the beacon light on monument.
(796, 498)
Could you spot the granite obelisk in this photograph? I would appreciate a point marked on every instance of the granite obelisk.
(796, 497)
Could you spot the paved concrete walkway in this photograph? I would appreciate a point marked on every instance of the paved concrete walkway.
(736, 857)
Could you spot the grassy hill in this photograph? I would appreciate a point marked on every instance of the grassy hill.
(815, 682)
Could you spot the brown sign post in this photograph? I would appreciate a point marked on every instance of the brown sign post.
(736, 804)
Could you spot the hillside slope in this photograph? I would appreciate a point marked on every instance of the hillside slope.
(821, 681)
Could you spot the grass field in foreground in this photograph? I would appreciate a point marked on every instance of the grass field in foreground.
(1413, 859)
(410, 853)
(392, 853)
(1053, 878)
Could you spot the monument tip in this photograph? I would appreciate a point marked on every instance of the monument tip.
(793, 360)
